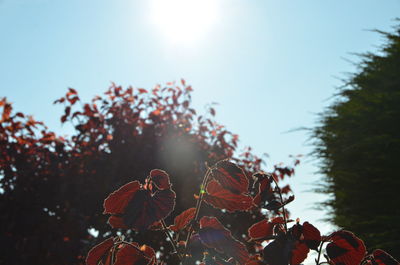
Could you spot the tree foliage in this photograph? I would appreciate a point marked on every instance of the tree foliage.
(358, 142)
(52, 187)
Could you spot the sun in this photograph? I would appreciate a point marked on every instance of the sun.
(184, 21)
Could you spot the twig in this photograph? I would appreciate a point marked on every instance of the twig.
(319, 253)
(283, 205)
(173, 243)
(198, 205)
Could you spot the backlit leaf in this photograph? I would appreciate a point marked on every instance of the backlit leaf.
(182, 220)
(99, 251)
(261, 230)
(160, 178)
(214, 235)
(345, 248)
(231, 177)
(221, 198)
(312, 236)
(383, 258)
(117, 201)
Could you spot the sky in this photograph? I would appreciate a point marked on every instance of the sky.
(270, 65)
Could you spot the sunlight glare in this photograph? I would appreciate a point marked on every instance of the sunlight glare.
(183, 21)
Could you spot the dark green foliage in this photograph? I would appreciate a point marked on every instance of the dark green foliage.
(358, 142)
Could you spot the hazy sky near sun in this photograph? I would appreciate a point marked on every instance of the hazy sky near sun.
(271, 65)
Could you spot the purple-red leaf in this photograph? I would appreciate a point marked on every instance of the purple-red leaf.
(383, 258)
(131, 255)
(261, 230)
(145, 208)
(99, 251)
(312, 236)
(137, 207)
(231, 177)
(221, 198)
(182, 220)
(345, 248)
(214, 235)
(117, 201)
(299, 253)
(160, 179)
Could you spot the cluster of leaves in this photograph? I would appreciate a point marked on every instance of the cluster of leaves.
(145, 206)
(51, 187)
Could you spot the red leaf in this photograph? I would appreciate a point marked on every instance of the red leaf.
(312, 236)
(117, 201)
(221, 198)
(286, 189)
(231, 177)
(19, 114)
(145, 208)
(117, 222)
(261, 230)
(160, 178)
(383, 258)
(265, 192)
(142, 90)
(278, 251)
(6, 111)
(182, 220)
(99, 251)
(130, 255)
(345, 248)
(214, 235)
(72, 91)
(299, 253)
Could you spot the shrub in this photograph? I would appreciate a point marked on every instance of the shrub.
(202, 239)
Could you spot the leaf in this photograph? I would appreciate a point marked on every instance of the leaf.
(117, 201)
(142, 90)
(299, 253)
(214, 235)
(72, 91)
(261, 230)
(383, 258)
(182, 220)
(130, 255)
(265, 192)
(160, 178)
(231, 177)
(312, 236)
(278, 252)
(117, 222)
(221, 198)
(136, 208)
(99, 251)
(145, 208)
(345, 248)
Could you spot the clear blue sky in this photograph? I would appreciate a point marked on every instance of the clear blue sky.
(271, 65)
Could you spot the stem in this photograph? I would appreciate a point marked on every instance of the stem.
(198, 205)
(283, 206)
(173, 243)
(319, 253)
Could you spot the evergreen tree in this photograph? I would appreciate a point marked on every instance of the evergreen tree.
(358, 144)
